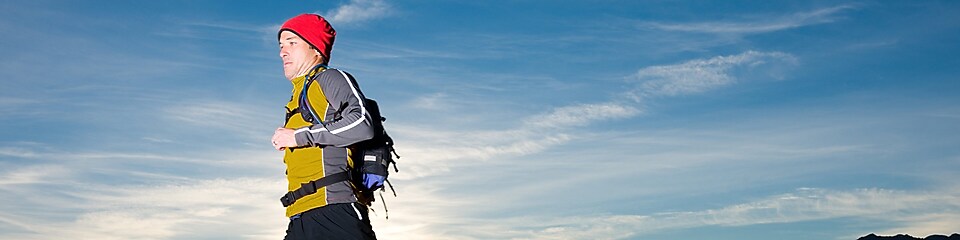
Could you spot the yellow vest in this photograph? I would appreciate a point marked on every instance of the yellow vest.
(305, 164)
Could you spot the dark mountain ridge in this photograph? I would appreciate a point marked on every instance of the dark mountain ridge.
(872, 236)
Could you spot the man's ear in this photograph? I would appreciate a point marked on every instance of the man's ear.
(322, 60)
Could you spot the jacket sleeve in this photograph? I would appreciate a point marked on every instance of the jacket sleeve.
(353, 124)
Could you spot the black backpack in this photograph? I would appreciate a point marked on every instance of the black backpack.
(375, 155)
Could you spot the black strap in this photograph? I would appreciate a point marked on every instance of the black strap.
(306, 110)
(291, 113)
(312, 186)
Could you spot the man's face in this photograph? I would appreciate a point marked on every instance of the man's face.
(296, 54)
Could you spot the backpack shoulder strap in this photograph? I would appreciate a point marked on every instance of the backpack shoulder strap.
(306, 110)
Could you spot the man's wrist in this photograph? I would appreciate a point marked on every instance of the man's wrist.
(301, 137)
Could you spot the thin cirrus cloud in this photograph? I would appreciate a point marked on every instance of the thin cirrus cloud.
(581, 114)
(538, 132)
(18, 152)
(32, 174)
(358, 11)
(541, 131)
(819, 16)
(691, 77)
(701, 75)
(182, 210)
(236, 118)
(802, 205)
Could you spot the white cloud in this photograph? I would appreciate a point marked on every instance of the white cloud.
(581, 114)
(232, 158)
(436, 101)
(428, 152)
(216, 208)
(157, 140)
(357, 11)
(33, 174)
(700, 75)
(18, 152)
(11, 107)
(365, 51)
(232, 117)
(944, 223)
(766, 147)
(216, 30)
(901, 207)
(140, 202)
(435, 153)
(819, 16)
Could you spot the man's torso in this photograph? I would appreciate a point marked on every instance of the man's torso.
(310, 163)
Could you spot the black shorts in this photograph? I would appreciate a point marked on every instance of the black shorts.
(335, 221)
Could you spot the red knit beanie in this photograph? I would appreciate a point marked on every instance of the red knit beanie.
(314, 29)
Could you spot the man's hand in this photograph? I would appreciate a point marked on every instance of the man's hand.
(283, 138)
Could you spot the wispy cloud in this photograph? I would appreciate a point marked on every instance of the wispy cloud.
(161, 201)
(767, 146)
(20, 106)
(537, 132)
(366, 51)
(436, 101)
(581, 114)
(944, 223)
(32, 174)
(187, 210)
(357, 11)
(700, 75)
(17, 152)
(38, 160)
(232, 117)
(819, 16)
(901, 207)
(217, 30)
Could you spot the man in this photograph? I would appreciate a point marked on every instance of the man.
(322, 203)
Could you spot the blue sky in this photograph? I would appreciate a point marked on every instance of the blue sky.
(514, 119)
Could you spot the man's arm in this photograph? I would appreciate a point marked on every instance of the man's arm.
(353, 125)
